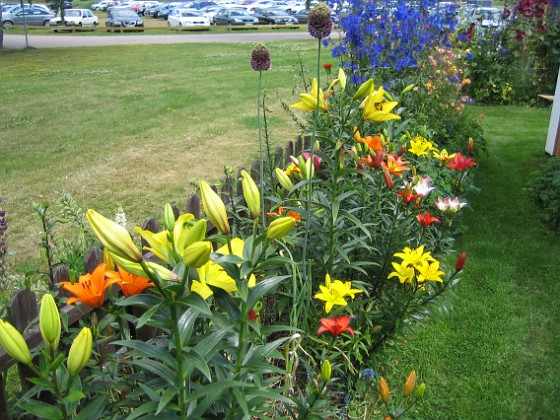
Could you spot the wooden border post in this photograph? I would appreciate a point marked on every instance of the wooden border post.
(553, 139)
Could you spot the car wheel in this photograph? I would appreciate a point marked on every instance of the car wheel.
(80, 24)
(8, 23)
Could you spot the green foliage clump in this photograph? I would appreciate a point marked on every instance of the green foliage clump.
(546, 192)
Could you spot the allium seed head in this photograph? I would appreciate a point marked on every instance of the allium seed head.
(260, 58)
(319, 24)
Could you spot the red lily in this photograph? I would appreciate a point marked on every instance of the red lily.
(335, 325)
(427, 219)
(460, 162)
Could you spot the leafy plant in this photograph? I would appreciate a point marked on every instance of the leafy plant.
(546, 192)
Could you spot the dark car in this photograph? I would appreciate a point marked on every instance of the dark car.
(275, 16)
(123, 17)
(234, 17)
(56, 5)
(302, 16)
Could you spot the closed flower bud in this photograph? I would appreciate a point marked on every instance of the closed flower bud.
(197, 254)
(342, 79)
(80, 351)
(214, 208)
(109, 263)
(364, 90)
(461, 260)
(408, 89)
(410, 384)
(251, 194)
(383, 390)
(280, 227)
(260, 58)
(470, 145)
(319, 24)
(49, 322)
(326, 371)
(169, 217)
(284, 179)
(13, 343)
(420, 390)
(115, 237)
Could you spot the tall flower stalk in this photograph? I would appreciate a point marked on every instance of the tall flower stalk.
(260, 61)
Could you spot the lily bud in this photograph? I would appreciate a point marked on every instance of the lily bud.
(251, 194)
(383, 390)
(109, 263)
(410, 384)
(136, 268)
(13, 343)
(461, 260)
(80, 351)
(284, 179)
(184, 236)
(326, 371)
(342, 78)
(113, 236)
(214, 208)
(470, 145)
(197, 254)
(408, 89)
(169, 217)
(280, 227)
(49, 322)
(364, 90)
(420, 390)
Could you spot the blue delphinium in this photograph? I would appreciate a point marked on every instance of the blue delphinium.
(389, 34)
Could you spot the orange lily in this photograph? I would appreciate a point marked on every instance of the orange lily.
(373, 142)
(90, 288)
(133, 284)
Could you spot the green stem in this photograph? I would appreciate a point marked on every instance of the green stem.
(180, 362)
(261, 157)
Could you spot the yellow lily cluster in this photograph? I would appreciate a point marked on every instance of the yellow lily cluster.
(214, 275)
(335, 292)
(421, 146)
(416, 265)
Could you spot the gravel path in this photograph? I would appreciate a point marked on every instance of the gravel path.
(51, 41)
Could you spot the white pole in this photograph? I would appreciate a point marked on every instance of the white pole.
(553, 139)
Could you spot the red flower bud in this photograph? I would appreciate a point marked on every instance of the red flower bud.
(461, 260)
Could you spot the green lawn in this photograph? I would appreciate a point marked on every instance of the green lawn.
(495, 356)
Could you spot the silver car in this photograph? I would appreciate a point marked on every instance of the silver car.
(31, 17)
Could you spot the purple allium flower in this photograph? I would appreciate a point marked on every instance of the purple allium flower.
(319, 24)
(260, 58)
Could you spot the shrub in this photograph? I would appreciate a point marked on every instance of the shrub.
(546, 192)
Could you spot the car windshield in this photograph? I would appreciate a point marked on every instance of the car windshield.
(237, 13)
(189, 14)
(73, 13)
(123, 13)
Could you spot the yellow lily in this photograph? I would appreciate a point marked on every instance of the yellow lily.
(186, 233)
(213, 274)
(159, 243)
(308, 101)
(377, 109)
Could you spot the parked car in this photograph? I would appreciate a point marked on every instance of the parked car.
(56, 5)
(16, 7)
(302, 16)
(488, 17)
(234, 17)
(122, 16)
(102, 5)
(76, 17)
(185, 17)
(275, 16)
(31, 17)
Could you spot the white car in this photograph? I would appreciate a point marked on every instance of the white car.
(102, 5)
(186, 17)
(76, 17)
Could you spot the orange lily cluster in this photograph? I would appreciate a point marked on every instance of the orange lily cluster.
(90, 288)
(281, 212)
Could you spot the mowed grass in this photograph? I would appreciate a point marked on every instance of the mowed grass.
(132, 125)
